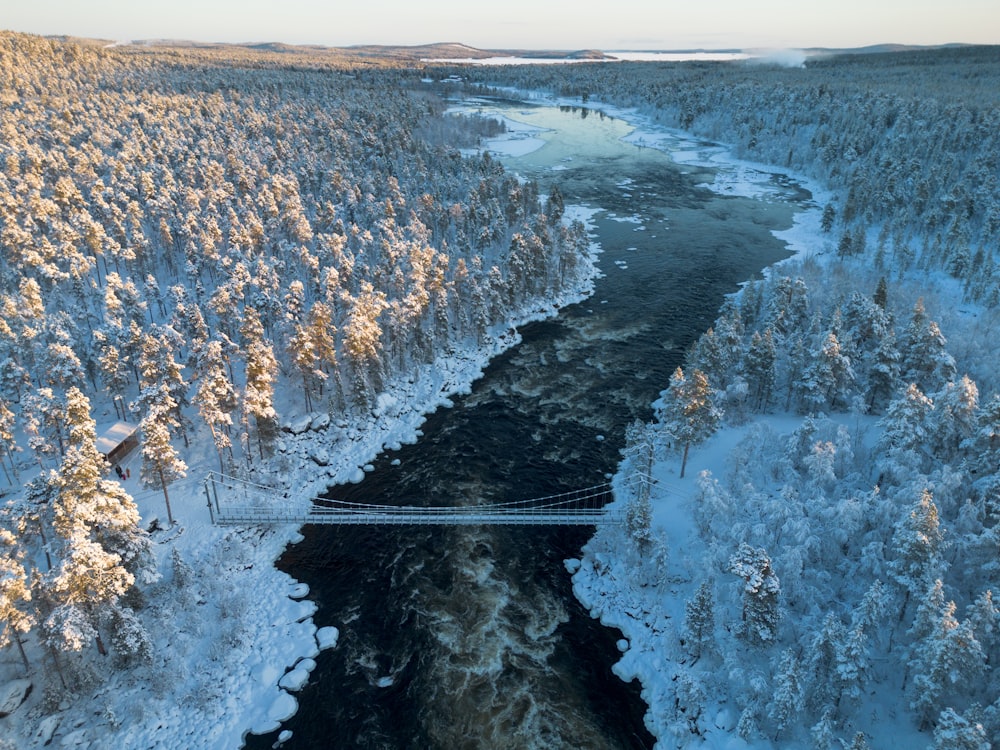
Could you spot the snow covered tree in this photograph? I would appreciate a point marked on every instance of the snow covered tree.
(362, 340)
(261, 370)
(787, 306)
(906, 428)
(759, 623)
(699, 620)
(951, 657)
(918, 542)
(956, 408)
(216, 398)
(956, 731)
(129, 638)
(853, 653)
(639, 519)
(789, 693)
(883, 373)
(161, 464)
(687, 411)
(87, 502)
(925, 360)
(823, 733)
(758, 368)
(162, 382)
(828, 378)
(984, 444)
(821, 663)
(984, 617)
(7, 444)
(15, 617)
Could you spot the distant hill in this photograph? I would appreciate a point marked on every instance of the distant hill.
(459, 51)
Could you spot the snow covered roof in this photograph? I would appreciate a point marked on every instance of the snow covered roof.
(114, 435)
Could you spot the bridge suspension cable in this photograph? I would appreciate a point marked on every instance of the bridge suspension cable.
(236, 502)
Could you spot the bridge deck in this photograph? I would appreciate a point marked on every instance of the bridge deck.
(262, 506)
(421, 516)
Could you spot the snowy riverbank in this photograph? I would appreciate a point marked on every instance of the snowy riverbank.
(724, 692)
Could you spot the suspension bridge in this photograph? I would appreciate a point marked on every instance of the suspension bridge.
(234, 502)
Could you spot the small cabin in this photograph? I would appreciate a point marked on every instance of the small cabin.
(117, 441)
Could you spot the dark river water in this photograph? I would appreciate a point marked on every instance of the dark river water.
(470, 637)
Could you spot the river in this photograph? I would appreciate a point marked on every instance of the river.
(470, 637)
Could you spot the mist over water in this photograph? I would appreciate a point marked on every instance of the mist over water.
(470, 637)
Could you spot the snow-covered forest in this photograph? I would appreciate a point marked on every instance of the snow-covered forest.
(831, 581)
(210, 245)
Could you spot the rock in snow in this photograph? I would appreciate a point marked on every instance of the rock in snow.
(299, 591)
(294, 680)
(327, 637)
(283, 708)
(319, 455)
(46, 728)
(320, 422)
(300, 424)
(12, 695)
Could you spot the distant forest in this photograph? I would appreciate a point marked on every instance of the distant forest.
(911, 139)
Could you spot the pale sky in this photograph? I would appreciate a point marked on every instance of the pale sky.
(525, 24)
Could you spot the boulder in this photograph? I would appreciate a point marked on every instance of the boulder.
(320, 422)
(300, 424)
(12, 695)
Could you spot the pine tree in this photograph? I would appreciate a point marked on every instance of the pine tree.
(687, 411)
(828, 377)
(883, 373)
(789, 693)
(129, 638)
(956, 731)
(216, 398)
(759, 368)
(787, 308)
(699, 620)
(951, 657)
(823, 733)
(821, 664)
(829, 214)
(161, 382)
(984, 445)
(760, 594)
(15, 617)
(7, 442)
(918, 542)
(161, 464)
(955, 419)
(925, 360)
(906, 427)
(261, 369)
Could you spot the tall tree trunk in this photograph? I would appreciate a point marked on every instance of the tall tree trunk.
(20, 648)
(166, 498)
